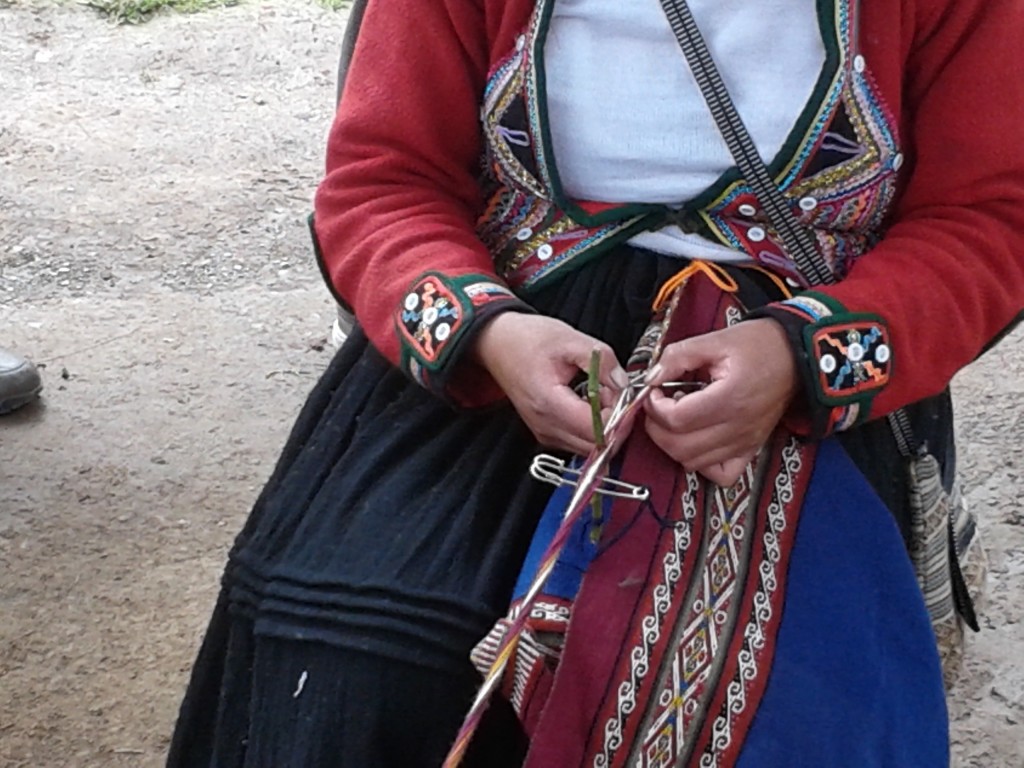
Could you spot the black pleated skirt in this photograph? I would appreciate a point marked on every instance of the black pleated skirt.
(386, 544)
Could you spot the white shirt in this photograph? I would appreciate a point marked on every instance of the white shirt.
(628, 122)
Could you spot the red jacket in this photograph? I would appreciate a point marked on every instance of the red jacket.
(402, 196)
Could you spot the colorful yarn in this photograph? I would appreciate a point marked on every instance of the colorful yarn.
(591, 473)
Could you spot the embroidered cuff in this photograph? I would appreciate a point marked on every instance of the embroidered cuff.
(844, 358)
(439, 315)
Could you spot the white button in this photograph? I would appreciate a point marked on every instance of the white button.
(442, 331)
(827, 363)
(859, 64)
(545, 252)
(855, 352)
(520, 42)
(412, 301)
(897, 162)
(430, 315)
(793, 282)
(524, 234)
(882, 354)
(755, 234)
(808, 203)
(747, 210)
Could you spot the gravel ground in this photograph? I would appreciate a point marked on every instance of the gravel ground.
(153, 256)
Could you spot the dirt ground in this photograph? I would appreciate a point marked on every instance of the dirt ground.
(153, 187)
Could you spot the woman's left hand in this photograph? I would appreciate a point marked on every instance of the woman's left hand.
(718, 430)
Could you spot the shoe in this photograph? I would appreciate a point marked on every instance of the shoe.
(19, 381)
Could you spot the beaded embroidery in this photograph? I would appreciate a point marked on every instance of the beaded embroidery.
(850, 355)
(433, 316)
(840, 179)
(430, 315)
(528, 233)
(853, 358)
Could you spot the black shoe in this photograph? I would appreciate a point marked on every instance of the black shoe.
(19, 381)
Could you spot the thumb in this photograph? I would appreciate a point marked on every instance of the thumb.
(610, 373)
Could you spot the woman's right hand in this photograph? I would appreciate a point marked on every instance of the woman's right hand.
(534, 359)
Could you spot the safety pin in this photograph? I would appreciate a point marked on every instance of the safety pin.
(551, 469)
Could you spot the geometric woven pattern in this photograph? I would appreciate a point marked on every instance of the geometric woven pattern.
(706, 640)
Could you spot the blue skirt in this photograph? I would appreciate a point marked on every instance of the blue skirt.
(856, 679)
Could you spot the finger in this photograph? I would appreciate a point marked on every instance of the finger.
(723, 456)
(552, 437)
(692, 412)
(706, 409)
(682, 357)
(661, 410)
(610, 373)
(608, 399)
(716, 474)
(568, 419)
(716, 404)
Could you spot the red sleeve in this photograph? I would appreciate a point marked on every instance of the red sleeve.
(949, 274)
(396, 212)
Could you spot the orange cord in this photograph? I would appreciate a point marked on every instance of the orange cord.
(715, 273)
(718, 276)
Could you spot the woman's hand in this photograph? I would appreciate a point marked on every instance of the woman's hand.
(534, 358)
(718, 430)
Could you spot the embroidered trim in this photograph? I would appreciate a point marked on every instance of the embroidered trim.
(839, 175)
(722, 741)
(434, 315)
(853, 357)
(844, 359)
(841, 183)
(531, 239)
(529, 234)
(430, 314)
(850, 355)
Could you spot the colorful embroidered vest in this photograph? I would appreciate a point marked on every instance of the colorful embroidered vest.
(838, 169)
